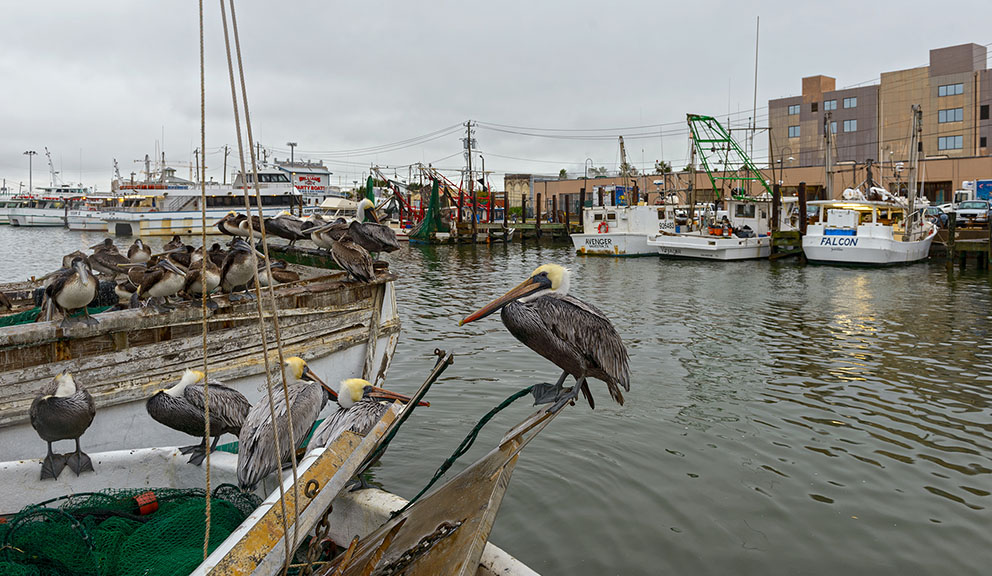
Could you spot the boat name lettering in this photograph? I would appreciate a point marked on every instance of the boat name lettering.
(838, 241)
(599, 242)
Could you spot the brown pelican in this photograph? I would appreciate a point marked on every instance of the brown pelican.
(257, 456)
(68, 258)
(72, 289)
(162, 280)
(62, 411)
(216, 254)
(281, 274)
(238, 269)
(194, 287)
(139, 252)
(173, 244)
(181, 408)
(289, 227)
(353, 259)
(231, 224)
(106, 257)
(575, 336)
(372, 236)
(360, 407)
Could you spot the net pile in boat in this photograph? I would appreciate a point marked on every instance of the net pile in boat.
(120, 532)
(432, 223)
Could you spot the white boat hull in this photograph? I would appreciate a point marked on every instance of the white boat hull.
(707, 247)
(167, 223)
(613, 244)
(36, 217)
(865, 250)
(86, 220)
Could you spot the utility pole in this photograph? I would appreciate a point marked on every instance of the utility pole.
(196, 155)
(30, 154)
(828, 141)
(471, 187)
(226, 152)
(292, 150)
(914, 158)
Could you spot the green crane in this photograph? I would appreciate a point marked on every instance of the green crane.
(719, 152)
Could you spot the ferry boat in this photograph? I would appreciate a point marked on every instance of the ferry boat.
(862, 232)
(6, 203)
(742, 232)
(165, 205)
(48, 206)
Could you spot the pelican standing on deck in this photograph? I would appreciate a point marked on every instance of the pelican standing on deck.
(72, 289)
(360, 407)
(162, 280)
(572, 334)
(372, 236)
(289, 227)
(106, 258)
(181, 408)
(257, 454)
(238, 269)
(62, 411)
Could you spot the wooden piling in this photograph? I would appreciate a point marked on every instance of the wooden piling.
(554, 208)
(537, 216)
(568, 220)
(523, 210)
(802, 208)
(776, 207)
(951, 233)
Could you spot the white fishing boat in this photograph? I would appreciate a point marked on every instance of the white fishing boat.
(622, 230)
(6, 203)
(740, 233)
(867, 233)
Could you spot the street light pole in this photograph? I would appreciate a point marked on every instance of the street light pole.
(585, 178)
(292, 150)
(30, 154)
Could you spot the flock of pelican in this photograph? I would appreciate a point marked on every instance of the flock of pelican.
(574, 335)
(64, 410)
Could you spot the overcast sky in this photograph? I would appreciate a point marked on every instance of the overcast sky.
(550, 82)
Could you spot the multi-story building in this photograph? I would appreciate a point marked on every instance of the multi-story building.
(872, 123)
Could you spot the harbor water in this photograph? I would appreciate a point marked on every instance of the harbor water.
(781, 419)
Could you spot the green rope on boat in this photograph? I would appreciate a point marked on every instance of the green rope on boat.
(465, 445)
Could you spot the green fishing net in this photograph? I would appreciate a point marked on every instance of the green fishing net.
(111, 533)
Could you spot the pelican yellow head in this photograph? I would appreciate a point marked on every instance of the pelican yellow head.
(546, 279)
(189, 377)
(351, 391)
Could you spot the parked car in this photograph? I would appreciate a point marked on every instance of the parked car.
(936, 215)
(973, 213)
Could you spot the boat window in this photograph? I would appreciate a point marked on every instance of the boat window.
(597, 217)
(744, 210)
(611, 215)
(661, 213)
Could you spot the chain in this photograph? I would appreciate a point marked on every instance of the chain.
(315, 549)
(400, 565)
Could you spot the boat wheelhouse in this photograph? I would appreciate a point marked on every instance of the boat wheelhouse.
(863, 232)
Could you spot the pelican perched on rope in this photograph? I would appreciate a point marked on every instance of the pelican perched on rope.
(181, 408)
(360, 406)
(572, 334)
(257, 454)
(63, 411)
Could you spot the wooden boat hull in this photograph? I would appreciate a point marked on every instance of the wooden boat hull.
(132, 353)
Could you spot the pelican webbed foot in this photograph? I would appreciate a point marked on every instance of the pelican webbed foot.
(52, 466)
(545, 393)
(211, 305)
(568, 396)
(78, 461)
(89, 320)
(360, 483)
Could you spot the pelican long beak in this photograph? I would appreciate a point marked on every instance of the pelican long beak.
(528, 286)
(308, 373)
(371, 213)
(167, 252)
(170, 266)
(383, 394)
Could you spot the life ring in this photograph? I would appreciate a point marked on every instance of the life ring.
(603, 227)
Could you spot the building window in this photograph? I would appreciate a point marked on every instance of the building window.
(983, 112)
(851, 102)
(833, 127)
(950, 143)
(950, 90)
(950, 115)
(814, 106)
(829, 104)
(793, 131)
(981, 142)
(850, 125)
(793, 109)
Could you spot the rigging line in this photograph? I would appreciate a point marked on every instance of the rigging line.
(371, 152)
(203, 276)
(258, 302)
(343, 152)
(271, 290)
(619, 129)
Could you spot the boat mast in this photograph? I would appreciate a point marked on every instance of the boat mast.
(51, 167)
(828, 164)
(914, 158)
(692, 178)
(624, 171)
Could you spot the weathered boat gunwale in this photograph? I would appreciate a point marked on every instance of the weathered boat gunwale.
(132, 352)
